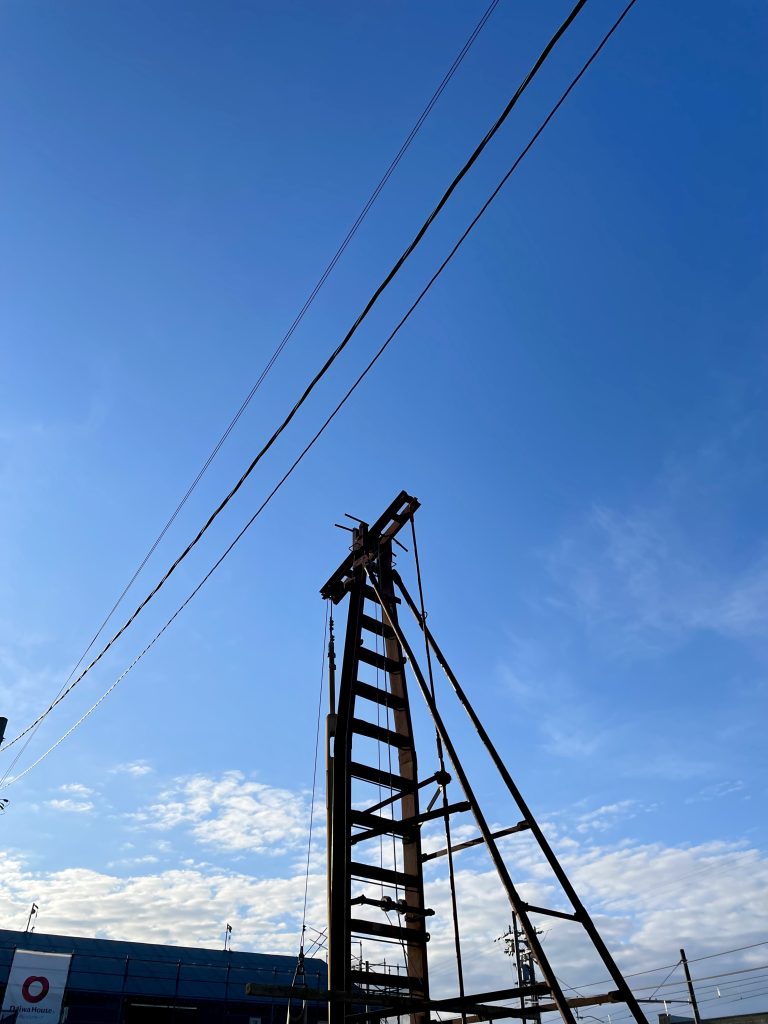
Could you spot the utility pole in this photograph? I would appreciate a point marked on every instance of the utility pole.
(526, 969)
(518, 960)
(691, 993)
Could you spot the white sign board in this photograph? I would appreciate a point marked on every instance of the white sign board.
(36, 986)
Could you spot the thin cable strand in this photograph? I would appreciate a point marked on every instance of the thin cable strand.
(441, 763)
(666, 979)
(326, 366)
(348, 394)
(314, 775)
(300, 315)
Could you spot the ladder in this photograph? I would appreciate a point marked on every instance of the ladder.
(375, 818)
(373, 756)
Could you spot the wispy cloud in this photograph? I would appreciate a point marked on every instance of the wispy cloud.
(71, 806)
(24, 681)
(76, 788)
(636, 574)
(719, 789)
(568, 729)
(230, 813)
(603, 818)
(137, 769)
(133, 862)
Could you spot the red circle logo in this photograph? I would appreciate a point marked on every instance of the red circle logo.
(35, 997)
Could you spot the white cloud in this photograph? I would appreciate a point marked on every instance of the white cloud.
(606, 817)
(71, 806)
(134, 768)
(647, 900)
(231, 813)
(185, 906)
(77, 789)
(131, 862)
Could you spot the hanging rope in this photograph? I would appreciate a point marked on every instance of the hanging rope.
(297, 1014)
(443, 787)
(314, 789)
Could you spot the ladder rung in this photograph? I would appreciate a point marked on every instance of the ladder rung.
(374, 626)
(386, 875)
(387, 931)
(386, 980)
(378, 732)
(380, 661)
(384, 697)
(378, 826)
(441, 812)
(370, 594)
(378, 777)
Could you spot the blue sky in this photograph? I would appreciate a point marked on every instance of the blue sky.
(579, 405)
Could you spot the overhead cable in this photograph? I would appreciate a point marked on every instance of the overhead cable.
(350, 391)
(709, 977)
(334, 354)
(665, 967)
(286, 338)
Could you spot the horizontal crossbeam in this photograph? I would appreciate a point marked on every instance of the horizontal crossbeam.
(519, 827)
(392, 1005)
(385, 529)
(551, 913)
(387, 931)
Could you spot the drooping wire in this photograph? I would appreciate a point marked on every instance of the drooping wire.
(395, 269)
(664, 967)
(739, 949)
(314, 773)
(706, 977)
(278, 351)
(345, 398)
(443, 785)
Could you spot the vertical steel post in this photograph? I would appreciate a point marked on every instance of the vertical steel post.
(689, 983)
(339, 854)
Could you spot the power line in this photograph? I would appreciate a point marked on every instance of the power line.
(725, 986)
(738, 999)
(738, 949)
(328, 363)
(759, 978)
(748, 992)
(350, 391)
(665, 967)
(286, 338)
(706, 977)
(725, 998)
